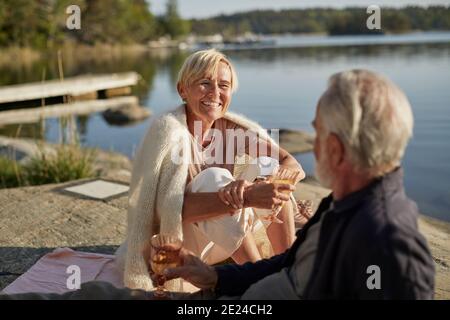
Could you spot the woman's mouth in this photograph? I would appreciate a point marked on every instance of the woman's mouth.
(212, 104)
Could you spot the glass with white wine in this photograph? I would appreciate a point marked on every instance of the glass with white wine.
(282, 175)
(164, 254)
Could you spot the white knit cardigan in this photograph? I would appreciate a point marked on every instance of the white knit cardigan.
(157, 191)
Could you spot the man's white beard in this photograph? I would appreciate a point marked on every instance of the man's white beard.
(322, 170)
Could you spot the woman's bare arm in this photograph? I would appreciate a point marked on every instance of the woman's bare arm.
(205, 205)
(200, 206)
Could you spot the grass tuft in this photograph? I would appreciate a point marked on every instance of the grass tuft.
(69, 162)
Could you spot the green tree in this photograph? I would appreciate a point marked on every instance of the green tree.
(141, 24)
(116, 21)
(25, 23)
(101, 22)
(396, 21)
(174, 25)
(59, 31)
(333, 21)
(3, 35)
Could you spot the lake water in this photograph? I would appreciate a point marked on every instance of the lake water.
(279, 88)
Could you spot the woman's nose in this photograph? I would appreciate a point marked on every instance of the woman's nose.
(215, 90)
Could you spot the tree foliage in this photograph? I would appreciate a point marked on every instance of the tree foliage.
(42, 23)
(172, 23)
(39, 23)
(25, 23)
(332, 21)
(112, 21)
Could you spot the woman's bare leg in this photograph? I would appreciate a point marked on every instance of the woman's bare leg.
(282, 235)
(248, 251)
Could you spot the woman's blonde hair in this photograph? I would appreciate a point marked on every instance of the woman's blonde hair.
(205, 63)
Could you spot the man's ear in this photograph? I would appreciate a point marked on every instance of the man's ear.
(336, 150)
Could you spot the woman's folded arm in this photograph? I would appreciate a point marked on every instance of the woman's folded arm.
(199, 206)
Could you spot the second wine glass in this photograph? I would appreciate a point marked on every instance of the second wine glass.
(164, 254)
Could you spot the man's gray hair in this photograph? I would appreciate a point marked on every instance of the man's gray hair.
(370, 115)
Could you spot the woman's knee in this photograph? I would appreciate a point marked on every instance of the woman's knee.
(211, 180)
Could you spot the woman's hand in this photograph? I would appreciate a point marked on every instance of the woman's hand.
(300, 176)
(233, 193)
(266, 195)
(296, 168)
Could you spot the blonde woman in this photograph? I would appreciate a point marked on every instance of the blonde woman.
(198, 199)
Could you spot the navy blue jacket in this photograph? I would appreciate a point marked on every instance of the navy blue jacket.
(375, 226)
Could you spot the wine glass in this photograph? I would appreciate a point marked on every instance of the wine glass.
(164, 254)
(283, 175)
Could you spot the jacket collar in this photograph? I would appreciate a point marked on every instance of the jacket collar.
(390, 181)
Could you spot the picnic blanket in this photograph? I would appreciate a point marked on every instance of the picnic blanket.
(53, 272)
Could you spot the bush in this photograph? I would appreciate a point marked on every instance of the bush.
(10, 173)
(69, 163)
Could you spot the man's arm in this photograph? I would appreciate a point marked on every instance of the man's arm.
(233, 279)
(226, 279)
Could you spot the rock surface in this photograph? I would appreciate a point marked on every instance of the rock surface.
(127, 114)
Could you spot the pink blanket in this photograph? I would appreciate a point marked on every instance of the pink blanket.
(49, 274)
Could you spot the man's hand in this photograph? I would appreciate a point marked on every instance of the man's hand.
(193, 270)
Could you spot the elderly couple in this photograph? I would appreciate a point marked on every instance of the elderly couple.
(362, 243)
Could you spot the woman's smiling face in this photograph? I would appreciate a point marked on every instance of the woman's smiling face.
(208, 98)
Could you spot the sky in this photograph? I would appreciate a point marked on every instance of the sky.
(208, 8)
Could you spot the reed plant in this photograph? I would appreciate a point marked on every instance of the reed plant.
(68, 162)
(10, 173)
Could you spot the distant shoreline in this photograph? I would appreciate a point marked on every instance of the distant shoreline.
(103, 51)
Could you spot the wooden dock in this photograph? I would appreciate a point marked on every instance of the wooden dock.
(70, 87)
(58, 110)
